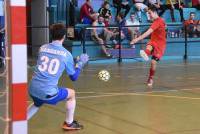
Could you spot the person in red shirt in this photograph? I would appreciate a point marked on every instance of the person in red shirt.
(196, 4)
(87, 14)
(157, 44)
(190, 25)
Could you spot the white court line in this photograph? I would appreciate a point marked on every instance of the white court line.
(147, 66)
(5, 120)
(145, 94)
(2, 94)
(139, 94)
(85, 92)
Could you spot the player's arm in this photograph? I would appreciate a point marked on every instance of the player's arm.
(144, 35)
(81, 61)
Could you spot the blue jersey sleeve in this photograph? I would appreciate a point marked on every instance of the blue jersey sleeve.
(71, 70)
(70, 67)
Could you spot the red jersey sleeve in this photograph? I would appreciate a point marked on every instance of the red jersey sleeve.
(155, 25)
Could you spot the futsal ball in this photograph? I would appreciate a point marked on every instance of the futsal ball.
(104, 75)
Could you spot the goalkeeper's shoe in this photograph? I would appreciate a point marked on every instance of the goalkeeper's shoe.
(73, 126)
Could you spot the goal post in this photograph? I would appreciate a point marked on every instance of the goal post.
(16, 41)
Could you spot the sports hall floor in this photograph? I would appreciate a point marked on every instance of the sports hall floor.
(124, 104)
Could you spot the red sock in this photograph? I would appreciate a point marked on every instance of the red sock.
(148, 52)
(151, 73)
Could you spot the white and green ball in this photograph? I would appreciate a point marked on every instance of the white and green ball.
(104, 75)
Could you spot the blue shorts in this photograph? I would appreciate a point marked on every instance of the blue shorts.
(62, 95)
(86, 20)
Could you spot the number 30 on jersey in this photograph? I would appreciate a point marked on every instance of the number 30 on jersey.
(50, 65)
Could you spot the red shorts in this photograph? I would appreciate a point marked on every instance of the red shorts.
(158, 51)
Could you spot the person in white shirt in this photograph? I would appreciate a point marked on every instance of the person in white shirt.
(141, 7)
(134, 25)
(159, 6)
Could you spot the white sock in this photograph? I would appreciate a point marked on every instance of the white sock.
(32, 110)
(70, 105)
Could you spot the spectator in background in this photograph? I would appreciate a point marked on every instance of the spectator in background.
(105, 12)
(196, 4)
(175, 4)
(190, 25)
(119, 4)
(123, 30)
(132, 21)
(87, 14)
(198, 29)
(159, 6)
(101, 35)
(141, 7)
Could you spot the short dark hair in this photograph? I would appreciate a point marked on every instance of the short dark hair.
(105, 3)
(152, 8)
(57, 31)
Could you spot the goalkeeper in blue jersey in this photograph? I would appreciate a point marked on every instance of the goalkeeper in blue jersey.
(53, 59)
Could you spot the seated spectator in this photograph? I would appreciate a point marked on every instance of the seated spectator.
(124, 30)
(105, 12)
(101, 34)
(141, 7)
(196, 4)
(87, 14)
(119, 4)
(190, 25)
(175, 4)
(132, 21)
(159, 6)
(198, 29)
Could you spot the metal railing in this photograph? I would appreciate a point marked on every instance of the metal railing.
(182, 33)
(176, 33)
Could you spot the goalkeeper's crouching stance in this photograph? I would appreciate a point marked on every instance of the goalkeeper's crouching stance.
(52, 60)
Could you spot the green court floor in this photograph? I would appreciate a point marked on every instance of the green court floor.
(125, 105)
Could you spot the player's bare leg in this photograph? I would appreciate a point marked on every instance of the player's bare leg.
(101, 42)
(70, 123)
(152, 72)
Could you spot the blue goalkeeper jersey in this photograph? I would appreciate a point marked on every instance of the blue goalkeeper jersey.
(53, 59)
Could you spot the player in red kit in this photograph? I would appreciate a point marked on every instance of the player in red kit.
(157, 44)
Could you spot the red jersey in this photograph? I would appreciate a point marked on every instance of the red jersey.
(158, 37)
(190, 21)
(85, 11)
(195, 2)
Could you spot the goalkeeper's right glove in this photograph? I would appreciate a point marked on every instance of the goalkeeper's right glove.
(82, 60)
